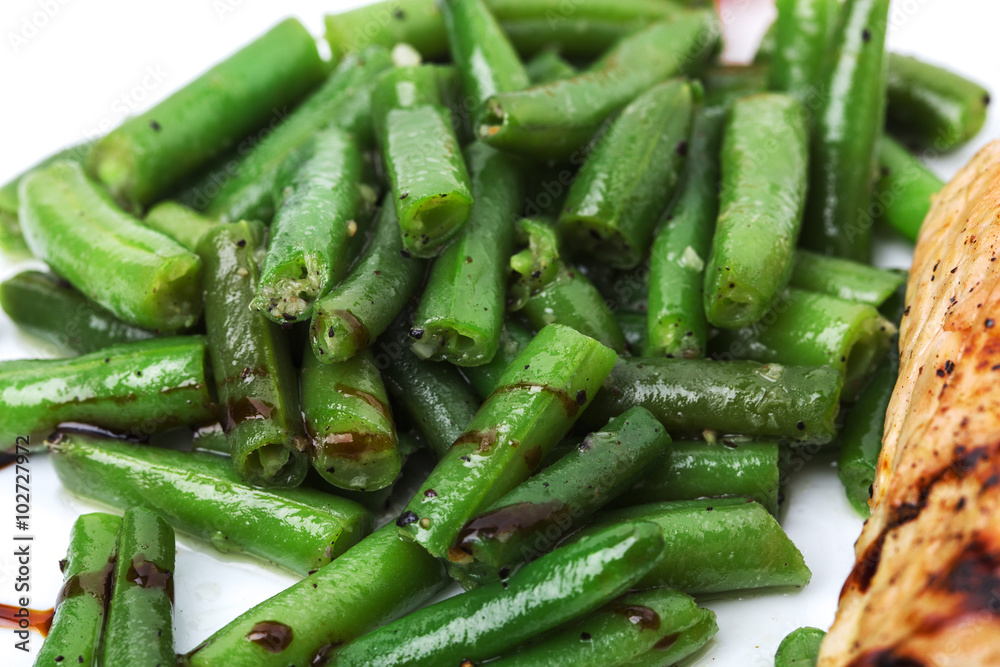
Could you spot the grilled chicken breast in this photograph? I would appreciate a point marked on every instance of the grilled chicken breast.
(925, 589)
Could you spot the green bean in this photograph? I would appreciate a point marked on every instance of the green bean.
(801, 46)
(585, 29)
(676, 324)
(320, 200)
(252, 365)
(150, 153)
(572, 300)
(848, 124)
(538, 398)
(136, 388)
(800, 648)
(68, 319)
(537, 264)
(347, 417)
(798, 403)
(904, 189)
(661, 626)
(484, 379)
(141, 276)
(844, 279)
(764, 164)
(810, 329)
(862, 436)
(418, 23)
(78, 622)
(422, 158)
(532, 518)
(200, 495)
(358, 310)
(933, 108)
(624, 187)
(498, 617)
(461, 311)
(692, 470)
(244, 187)
(484, 57)
(182, 224)
(768, 45)
(140, 629)
(548, 66)
(11, 237)
(555, 120)
(434, 396)
(378, 580)
(715, 546)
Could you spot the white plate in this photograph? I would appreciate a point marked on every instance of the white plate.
(69, 70)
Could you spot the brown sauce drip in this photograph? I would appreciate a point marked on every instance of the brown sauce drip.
(483, 439)
(272, 636)
(147, 574)
(359, 332)
(667, 642)
(644, 617)
(245, 409)
(381, 407)
(97, 583)
(352, 446)
(500, 524)
(322, 655)
(38, 620)
(569, 403)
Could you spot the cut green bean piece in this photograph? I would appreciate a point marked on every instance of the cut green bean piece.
(136, 388)
(555, 120)
(484, 379)
(319, 204)
(622, 190)
(435, 397)
(676, 324)
(418, 23)
(931, 107)
(532, 518)
(11, 236)
(845, 279)
(760, 208)
(716, 546)
(661, 626)
(358, 310)
(244, 187)
(800, 648)
(692, 470)
(254, 375)
(78, 622)
(140, 625)
(199, 494)
(150, 153)
(498, 617)
(71, 224)
(688, 396)
(572, 300)
(801, 48)
(548, 66)
(904, 189)
(182, 224)
(422, 159)
(810, 329)
(537, 264)
(347, 417)
(378, 580)
(461, 311)
(539, 397)
(484, 57)
(68, 320)
(847, 127)
(862, 436)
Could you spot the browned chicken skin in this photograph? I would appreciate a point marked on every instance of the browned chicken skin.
(925, 589)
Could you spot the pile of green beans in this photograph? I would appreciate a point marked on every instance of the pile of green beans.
(606, 281)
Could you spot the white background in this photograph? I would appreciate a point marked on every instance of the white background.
(71, 69)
